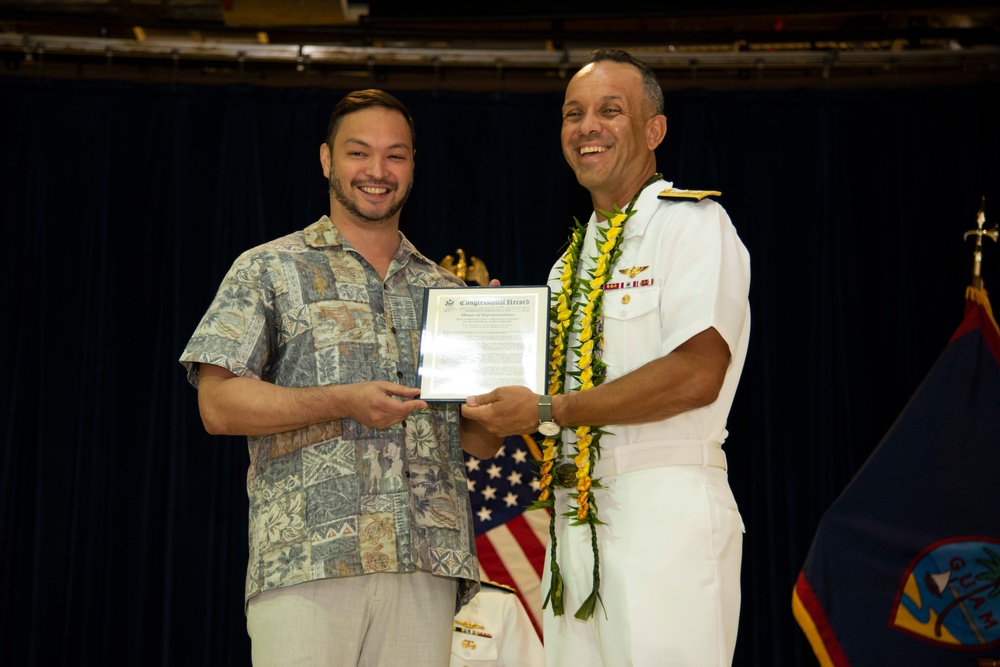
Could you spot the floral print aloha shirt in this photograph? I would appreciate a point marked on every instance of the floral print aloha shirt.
(339, 499)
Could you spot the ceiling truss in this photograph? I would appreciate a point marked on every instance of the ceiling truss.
(212, 42)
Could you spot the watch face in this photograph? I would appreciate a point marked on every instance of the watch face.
(548, 428)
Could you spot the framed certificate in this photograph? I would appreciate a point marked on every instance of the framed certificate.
(475, 339)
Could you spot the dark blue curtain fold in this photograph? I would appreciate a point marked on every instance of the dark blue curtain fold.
(123, 524)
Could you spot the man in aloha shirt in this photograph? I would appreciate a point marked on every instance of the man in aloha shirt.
(310, 349)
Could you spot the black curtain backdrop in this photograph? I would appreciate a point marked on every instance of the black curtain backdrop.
(123, 523)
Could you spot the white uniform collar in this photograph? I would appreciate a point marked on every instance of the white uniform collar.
(645, 206)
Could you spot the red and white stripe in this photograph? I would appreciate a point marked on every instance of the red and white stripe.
(513, 554)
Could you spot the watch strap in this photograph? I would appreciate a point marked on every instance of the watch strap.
(545, 408)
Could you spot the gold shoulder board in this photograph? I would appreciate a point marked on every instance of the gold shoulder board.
(697, 195)
(494, 584)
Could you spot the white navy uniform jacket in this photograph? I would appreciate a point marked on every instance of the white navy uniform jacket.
(494, 629)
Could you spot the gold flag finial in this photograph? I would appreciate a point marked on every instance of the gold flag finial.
(979, 233)
(473, 271)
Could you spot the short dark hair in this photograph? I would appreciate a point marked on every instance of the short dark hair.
(649, 81)
(364, 99)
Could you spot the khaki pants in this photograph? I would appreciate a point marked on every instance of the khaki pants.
(370, 620)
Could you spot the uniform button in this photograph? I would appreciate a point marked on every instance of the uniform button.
(403, 423)
(392, 329)
(399, 374)
(407, 474)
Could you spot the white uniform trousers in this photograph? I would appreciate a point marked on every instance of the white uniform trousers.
(670, 573)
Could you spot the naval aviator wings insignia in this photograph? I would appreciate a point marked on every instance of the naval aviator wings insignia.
(633, 271)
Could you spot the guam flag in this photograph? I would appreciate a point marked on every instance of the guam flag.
(904, 568)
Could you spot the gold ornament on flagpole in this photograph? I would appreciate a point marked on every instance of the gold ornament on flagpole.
(473, 271)
(977, 255)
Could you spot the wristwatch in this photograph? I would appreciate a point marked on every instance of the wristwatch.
(546, 426)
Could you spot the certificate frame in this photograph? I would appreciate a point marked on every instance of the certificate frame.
(475, 339)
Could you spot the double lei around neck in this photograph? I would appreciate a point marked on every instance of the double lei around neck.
(578, 307)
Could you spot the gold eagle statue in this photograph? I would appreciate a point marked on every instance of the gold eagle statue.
(471, 271)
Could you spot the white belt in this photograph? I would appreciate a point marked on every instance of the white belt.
(643, 455)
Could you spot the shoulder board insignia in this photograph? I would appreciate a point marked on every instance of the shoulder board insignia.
(502, 587)
(697, 195)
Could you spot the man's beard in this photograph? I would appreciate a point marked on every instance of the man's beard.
(337, 190)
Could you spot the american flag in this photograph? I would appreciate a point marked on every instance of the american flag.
(511, 542)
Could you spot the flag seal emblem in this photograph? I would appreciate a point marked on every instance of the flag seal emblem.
(950, 594)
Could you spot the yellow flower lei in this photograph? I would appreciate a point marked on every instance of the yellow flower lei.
(590, 372)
